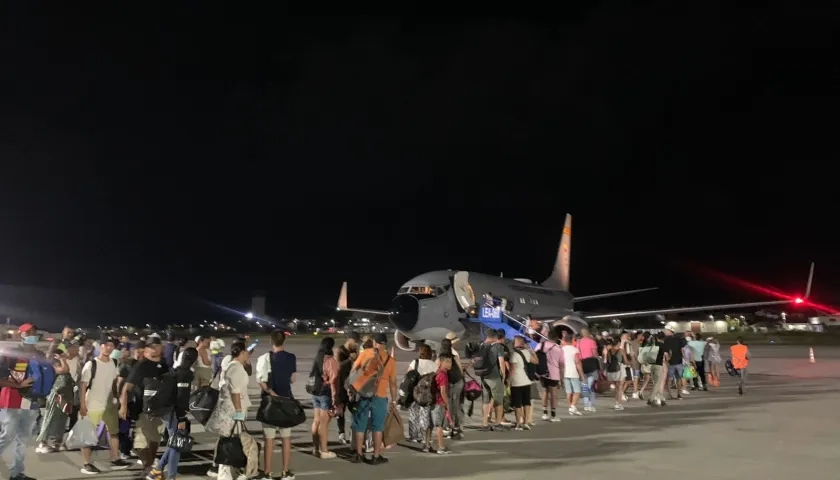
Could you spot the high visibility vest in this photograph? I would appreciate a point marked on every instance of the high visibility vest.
(739, 356)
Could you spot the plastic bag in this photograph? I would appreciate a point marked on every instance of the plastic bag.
(83, 435)
(689, 372)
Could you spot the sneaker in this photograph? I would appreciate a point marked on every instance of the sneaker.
(154, 474)
(624, 398)
(125, 457)
(287, 475)
(525, 426)
(213, 471)
(636, 396)
(740, 390)
(356, 458)
(518, 428)
(685, 392)
(554, 420)
(121, 464)
(619, 407)
(377, 460)
(90, 469)
(443, 451)
(342, 439)
(589, 408)
(447, 433)
(574, 411)
(262, 476)
(612, 386)
(641, 396)
(21, 476)
(326, 455)
(505, 423)
(44, 449)
(545, 417)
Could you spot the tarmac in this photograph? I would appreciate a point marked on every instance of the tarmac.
(717, 434)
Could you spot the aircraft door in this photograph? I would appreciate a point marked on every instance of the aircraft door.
(463, 290)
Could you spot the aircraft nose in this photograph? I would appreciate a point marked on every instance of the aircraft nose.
(405, 312)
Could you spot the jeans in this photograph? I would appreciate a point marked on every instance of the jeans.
(170, 457)
(589, 392)
(16, 426)
(700, 379)
(456, 407)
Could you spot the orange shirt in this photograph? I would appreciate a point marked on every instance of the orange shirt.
(389, 373)
(739, 356)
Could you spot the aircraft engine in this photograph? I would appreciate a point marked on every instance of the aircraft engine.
(572, 323)
(403, 342)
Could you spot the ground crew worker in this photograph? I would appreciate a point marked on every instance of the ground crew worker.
(740, 361)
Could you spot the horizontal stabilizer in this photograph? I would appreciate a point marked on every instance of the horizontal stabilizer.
(342, 304)
(613, 294)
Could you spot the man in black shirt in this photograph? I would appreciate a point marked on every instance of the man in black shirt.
(671, 350)
(346, 356)
(659, 372)
(147, 430)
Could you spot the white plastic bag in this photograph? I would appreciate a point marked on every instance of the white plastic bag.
(83, 435)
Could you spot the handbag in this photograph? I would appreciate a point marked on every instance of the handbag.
(181, 441)
(203, 401)
(229, 449)
(281, 412)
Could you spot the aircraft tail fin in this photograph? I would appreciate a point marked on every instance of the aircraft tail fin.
(810, 280)
(342, 304)
(559, 278)
(342, 297)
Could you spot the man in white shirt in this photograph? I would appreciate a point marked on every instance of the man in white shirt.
(572, 372)
(96, 392)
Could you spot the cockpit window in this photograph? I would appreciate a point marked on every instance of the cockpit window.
(425, 290)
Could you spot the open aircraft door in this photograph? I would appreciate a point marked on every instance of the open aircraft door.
(463, 291)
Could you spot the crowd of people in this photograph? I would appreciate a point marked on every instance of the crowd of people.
(107, 383)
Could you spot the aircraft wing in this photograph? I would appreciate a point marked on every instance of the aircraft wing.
(662, 311)
(613, 294)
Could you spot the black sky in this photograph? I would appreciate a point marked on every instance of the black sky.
(210, 152)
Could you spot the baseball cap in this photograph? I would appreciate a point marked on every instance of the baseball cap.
(605, 333)
(153, 341)
(380, 338)
(26, 327)
(354, 336)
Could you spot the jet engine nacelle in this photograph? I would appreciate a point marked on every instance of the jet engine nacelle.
(571, 322)
(403, 342)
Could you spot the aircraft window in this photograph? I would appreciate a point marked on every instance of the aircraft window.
(535, 301)
(422, 290)
(402, 290)
(440, 290)
(521, 300)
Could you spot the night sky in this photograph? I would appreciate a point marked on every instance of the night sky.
(199, 153)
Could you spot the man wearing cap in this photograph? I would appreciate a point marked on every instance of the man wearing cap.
(18, 414)
(378, 366)
(345, 354)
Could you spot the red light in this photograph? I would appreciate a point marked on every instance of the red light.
(798, 300)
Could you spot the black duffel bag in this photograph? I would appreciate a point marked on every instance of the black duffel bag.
(181, 441)
(281, 412)
(202, 403)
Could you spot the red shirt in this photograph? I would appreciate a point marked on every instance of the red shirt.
(441, 383)
(13, 367)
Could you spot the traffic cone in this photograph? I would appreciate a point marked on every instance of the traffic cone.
(811, 356)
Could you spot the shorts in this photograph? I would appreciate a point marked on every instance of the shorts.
(572, 385)
(110, 416)
(147, 430)
(520, 396)
(675, 371)
(438, 416)
(549, 383)
(494, 390)
(631, 373)
(322, 402)
(370, 409)
(270, 432)
(616, 376)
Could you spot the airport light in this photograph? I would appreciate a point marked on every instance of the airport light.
(249, 315)
(798, 300)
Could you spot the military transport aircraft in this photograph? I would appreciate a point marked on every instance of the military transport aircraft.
(431, 305)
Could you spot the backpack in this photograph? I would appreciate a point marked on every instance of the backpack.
(530, 368)
(542, 366)
(315, 382)
(482, 363)
(42, 373)
(160, 394)
(613, 363)
(472, 390)
(407, 386)
(368, 390)
(423, 393)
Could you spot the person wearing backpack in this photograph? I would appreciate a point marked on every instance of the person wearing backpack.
(373, 376)
(489, 364)
(176, 419)
(521, 376)
(323, 386)
(550, 383)
(419, 413)
(18, 400)
(455, 423)
(97, 403)
(147, 428)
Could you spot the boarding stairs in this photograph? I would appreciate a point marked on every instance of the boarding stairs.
(496, 317)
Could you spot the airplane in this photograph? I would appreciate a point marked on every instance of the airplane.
(433, 304)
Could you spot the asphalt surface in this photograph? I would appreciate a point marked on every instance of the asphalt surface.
(709, 434)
